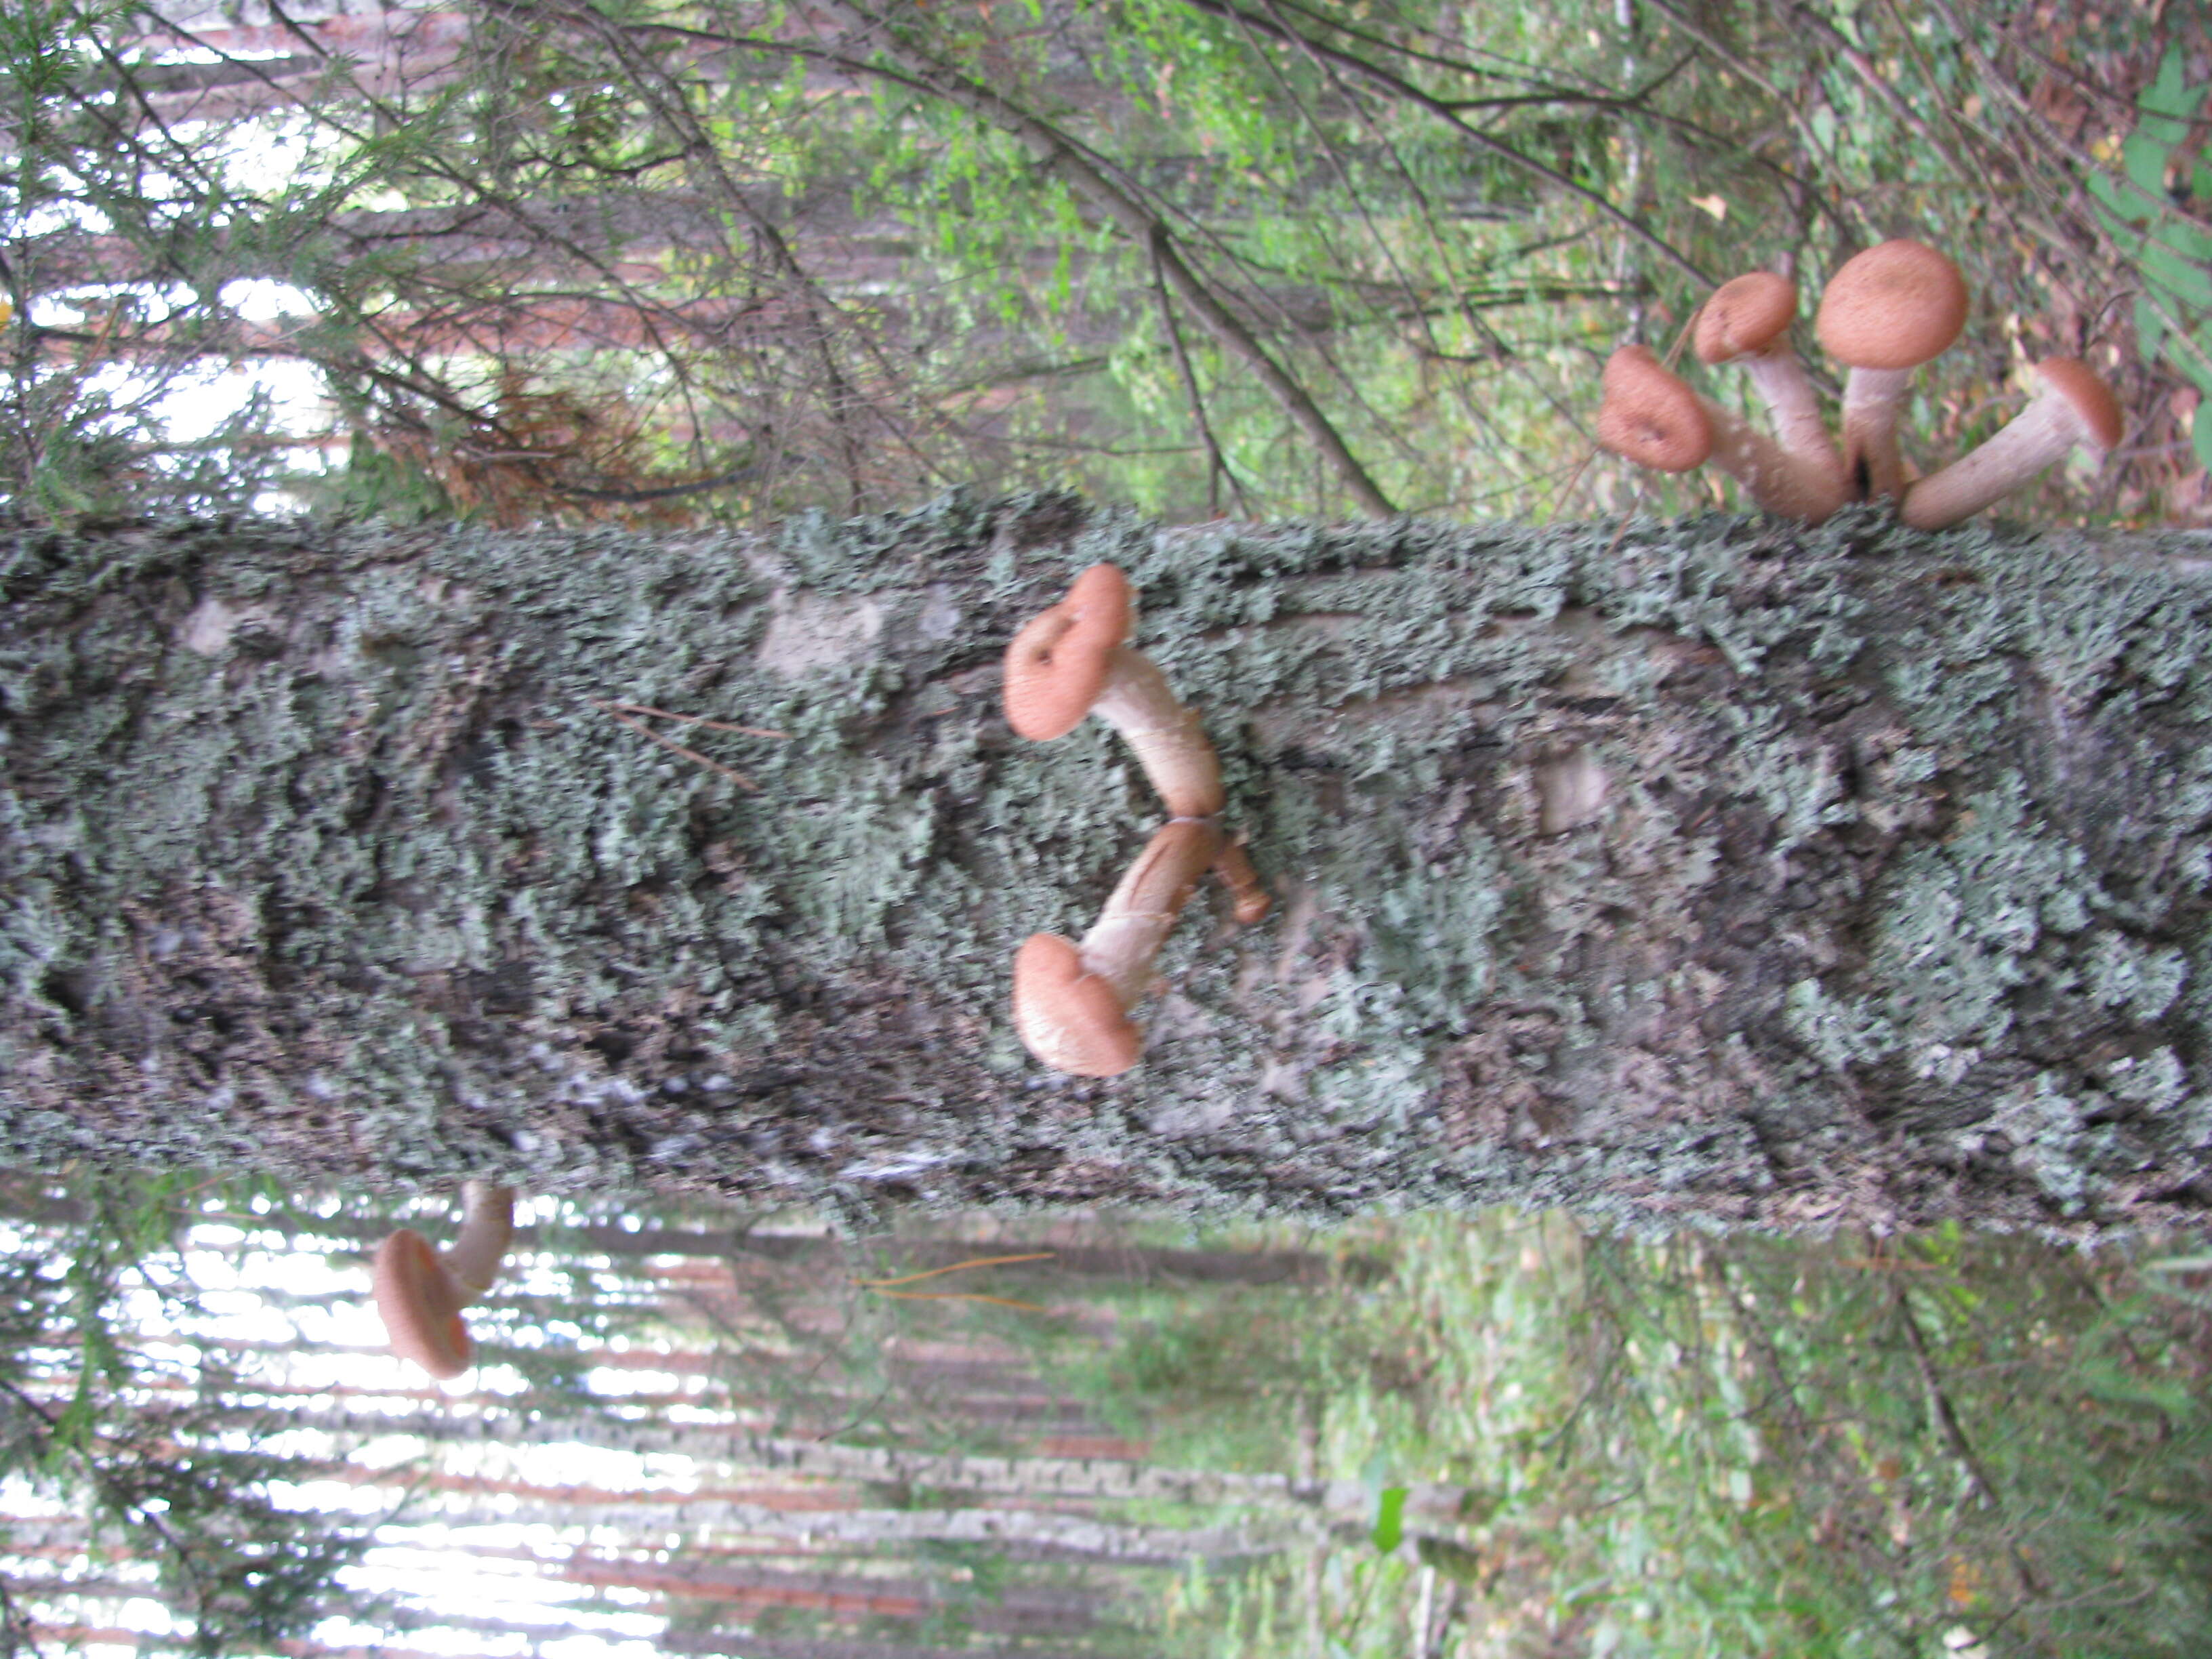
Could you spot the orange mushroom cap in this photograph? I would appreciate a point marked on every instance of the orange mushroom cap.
(1894, 305)
(1057, 665)
(1650, 416)
(1068, 1018)
(1745, 315)
(420, 1305)
(2095, 407)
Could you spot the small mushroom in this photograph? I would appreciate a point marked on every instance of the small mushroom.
(1652, 417)
(1072, 660)
(1747, 321)
(2072, 406)
(420, 1291)
(1885, 312)
(1072, 1002)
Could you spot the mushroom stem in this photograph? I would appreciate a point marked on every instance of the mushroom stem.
(1787, 390)
(1779, 480)
(479, 1249)
(1249, 898)
(1140, 913)
(1872, 460)
(1166, 735)
(2071, 407)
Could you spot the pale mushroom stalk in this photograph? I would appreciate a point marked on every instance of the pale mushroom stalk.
(2072, 408)
(1249, 898)
(1787, 390)
(1165, 734)
(1874, 460)
(479, 1249)
(1141, 911)
(1779, 480)
(1072, 1002)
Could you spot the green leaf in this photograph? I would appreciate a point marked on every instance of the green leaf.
(2170, 94)
(2180, 275)
(2150, 328)
(1389, 1520)
(2143, 159)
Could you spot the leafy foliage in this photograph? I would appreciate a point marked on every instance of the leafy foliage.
(1703, 1446)
(2158, 209)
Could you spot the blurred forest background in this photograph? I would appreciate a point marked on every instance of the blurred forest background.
(1088, 1436)
(674, 263)
(664, 263)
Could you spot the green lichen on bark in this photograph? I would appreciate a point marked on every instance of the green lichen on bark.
(1711, 869)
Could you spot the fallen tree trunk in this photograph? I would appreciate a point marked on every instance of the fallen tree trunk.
(1716, 872)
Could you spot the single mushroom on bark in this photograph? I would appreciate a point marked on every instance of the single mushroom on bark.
(1072, 1002)
(1072, 660)
(2072, 407)
(1885, 312)
(420, 1290)
(1652, 417)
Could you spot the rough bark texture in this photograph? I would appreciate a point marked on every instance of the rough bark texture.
(1712, 871)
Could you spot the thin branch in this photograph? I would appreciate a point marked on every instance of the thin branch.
(616, 704)
(957, 1267)
(674, 747)
(1217, 465)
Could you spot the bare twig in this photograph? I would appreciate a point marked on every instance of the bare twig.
(614, 704)
(674, 747)
(1074, 162)
(1216, 464)
(1444, 111)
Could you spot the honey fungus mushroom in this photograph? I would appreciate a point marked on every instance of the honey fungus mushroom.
(1652, 417)
(1885, 312)
(420, 1290)
(2072, 407)
(1073, 1002)
(1072, 660)
(1746, 322)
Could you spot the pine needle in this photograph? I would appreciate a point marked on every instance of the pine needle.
(957, 1267)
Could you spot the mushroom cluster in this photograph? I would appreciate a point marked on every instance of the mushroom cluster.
(1073, 1002)
(1888, 311)
(420, 1290)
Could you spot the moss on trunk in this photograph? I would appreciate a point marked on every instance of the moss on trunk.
(1714, 870)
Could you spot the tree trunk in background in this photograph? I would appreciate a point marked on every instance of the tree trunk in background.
(1708, 871)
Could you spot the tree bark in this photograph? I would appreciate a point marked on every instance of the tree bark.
(1714, 870)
